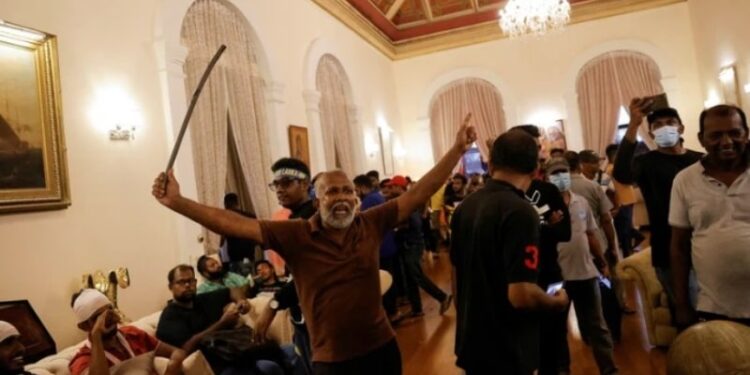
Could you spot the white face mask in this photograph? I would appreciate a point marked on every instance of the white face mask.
(561, 180)
(667, 136)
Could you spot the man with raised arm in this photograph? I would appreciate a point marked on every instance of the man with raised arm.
(334, 259)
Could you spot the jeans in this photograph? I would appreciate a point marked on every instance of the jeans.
(554, 354)
(624, 227)
(385, 360)
(303, 348)
(586, 297)
(415, 278)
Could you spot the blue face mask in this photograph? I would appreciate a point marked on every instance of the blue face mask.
(561, 180)
(667, 136)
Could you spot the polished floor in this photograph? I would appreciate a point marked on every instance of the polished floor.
(427, 343)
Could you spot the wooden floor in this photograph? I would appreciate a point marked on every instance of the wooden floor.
(427, 343)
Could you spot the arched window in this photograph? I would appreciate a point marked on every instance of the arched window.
(451, 104)
(229, 127)
(336, 114)
(605, 85)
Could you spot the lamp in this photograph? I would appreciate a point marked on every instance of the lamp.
(114, 112)
(371, 146)
(535, 17)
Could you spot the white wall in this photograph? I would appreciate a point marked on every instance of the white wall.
(113, 221)
(722, 38)
(536, 77)
(135, 45)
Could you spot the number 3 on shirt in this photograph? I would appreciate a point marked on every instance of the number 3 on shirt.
(532, 257)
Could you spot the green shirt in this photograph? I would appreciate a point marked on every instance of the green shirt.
(231, 280)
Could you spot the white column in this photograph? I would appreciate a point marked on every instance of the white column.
(277, 121)
(315, 131)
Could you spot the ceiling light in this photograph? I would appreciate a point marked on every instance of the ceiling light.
(535, 17)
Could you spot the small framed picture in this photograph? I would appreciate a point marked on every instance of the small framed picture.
(299, 145)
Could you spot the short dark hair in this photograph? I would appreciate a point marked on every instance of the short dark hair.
(516, 151)
(722, 110)
(662, 113)
(460, 177)
(363, 181)
(574, 161)
(588, 156)
(231, 199)
(291, 163)
(529, 129)
(182, 267)
(385, 183)
(373, 173)
(263, 261)
(202, 264)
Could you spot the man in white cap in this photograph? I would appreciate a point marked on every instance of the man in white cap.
(11, 350)
(109, 345)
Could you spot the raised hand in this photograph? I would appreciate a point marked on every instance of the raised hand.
(166, 189)
(639, 108)
(101, 324)
(466, 135)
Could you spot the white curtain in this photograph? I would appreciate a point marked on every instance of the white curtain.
(605, 84)
(335, 118)
(233, 96)
(451, 105)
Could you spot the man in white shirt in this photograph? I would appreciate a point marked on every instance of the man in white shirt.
(710, 218)
(579, 259)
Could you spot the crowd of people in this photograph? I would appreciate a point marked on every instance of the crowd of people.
(539, 230)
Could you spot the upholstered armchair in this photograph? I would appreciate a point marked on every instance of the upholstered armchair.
(638, 268)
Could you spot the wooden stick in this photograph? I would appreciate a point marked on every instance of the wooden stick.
(193, 101)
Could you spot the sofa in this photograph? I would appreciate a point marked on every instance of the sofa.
(280, 330)
(656, 314)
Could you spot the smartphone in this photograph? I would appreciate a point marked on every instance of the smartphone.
(554, 287)
(659, 102)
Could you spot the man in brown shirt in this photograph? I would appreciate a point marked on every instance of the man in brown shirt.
(334, 260)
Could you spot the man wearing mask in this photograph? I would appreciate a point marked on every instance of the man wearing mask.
(710, 218)
(654, 173)
(11, 350)
(554, 227)
(581, 259)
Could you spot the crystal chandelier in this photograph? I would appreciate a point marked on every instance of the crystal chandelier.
(536, 17)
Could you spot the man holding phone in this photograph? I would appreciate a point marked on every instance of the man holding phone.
(654, 172)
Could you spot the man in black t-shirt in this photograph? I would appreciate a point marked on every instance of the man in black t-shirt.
(554, 228)
(495, 252)
(266, 280)
(241, 252)
(654, 173)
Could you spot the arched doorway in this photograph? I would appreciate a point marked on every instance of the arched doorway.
(229, 130)
(336, 114)
(605, 86)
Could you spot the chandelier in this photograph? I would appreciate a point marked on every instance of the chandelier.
(535, 17)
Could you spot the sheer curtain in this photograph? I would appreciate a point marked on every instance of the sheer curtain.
(451, 105)
(608, 82)
(234, 97)
(333, 85)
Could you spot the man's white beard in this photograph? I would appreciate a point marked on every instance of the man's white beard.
(330, 220)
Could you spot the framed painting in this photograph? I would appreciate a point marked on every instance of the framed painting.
(34, 335)
(33, 169)
(299, 144)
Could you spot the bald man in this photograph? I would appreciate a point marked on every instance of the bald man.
(334, 259)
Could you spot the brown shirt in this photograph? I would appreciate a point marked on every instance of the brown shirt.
(338, 284)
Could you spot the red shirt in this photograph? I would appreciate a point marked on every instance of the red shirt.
(140, 342)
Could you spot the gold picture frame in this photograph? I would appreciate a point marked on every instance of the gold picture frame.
(33, 168)
(299, 144)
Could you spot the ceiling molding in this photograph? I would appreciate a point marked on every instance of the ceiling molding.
(469, 35)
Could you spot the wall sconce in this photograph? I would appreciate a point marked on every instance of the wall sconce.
(120, 133)
(371, 146)
(747, 88)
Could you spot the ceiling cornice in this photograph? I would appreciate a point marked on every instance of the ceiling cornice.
(484, 32)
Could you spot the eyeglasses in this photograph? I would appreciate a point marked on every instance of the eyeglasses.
(284, 183)
(185, 282)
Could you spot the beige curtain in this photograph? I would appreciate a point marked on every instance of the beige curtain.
(451, 105)
(234, 91)
(335, 119)
(607, 83)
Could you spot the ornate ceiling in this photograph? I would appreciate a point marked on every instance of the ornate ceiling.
(407, 28)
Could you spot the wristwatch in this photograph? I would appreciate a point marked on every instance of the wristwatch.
(273, 304)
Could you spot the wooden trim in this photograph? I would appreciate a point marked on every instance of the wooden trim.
(395, 7)
(473, 34)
